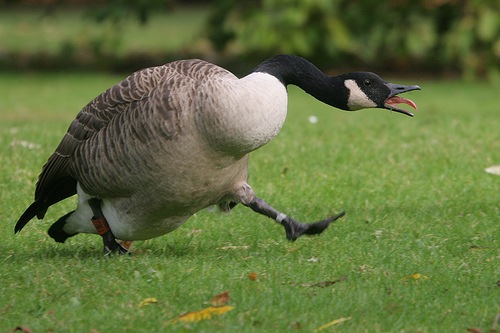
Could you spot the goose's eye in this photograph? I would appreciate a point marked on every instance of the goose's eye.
(367, 82)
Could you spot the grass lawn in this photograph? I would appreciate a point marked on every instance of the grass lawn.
(418, 250)
(33, 31)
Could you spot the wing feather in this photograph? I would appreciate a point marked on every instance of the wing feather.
(133, 99)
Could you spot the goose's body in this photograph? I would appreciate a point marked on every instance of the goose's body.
(171, 140)
(185, 157)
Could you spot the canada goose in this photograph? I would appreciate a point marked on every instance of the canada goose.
(171, 140)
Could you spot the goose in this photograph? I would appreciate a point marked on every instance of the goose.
(169, 141)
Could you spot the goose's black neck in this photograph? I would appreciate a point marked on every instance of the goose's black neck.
(289, 69)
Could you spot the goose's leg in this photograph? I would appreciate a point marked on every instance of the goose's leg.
(293, 229)
(102, 227)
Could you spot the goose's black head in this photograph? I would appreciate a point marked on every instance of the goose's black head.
(351, 91)
(367, 90)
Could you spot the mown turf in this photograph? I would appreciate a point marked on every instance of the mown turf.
(417, 199)
(25, 31)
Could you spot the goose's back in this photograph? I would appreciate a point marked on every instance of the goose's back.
(121, 133)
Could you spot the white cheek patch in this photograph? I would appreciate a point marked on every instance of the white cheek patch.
(357, 98)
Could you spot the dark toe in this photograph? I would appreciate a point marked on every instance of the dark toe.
(296, 229)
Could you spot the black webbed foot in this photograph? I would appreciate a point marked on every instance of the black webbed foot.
(111, 246)
(294, 229)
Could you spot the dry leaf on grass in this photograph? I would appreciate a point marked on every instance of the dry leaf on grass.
(218, 307)
(253, 276)
(474, 330)
(23, 329)
(220, 300)
(322, 284)
(204, 314)
(415, 276)
(334, 322)
(147, 301)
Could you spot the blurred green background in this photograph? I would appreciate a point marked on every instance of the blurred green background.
(435, 37)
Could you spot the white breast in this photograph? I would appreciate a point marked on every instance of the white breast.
(242, 115)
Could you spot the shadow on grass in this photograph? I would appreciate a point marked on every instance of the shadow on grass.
(90, 247)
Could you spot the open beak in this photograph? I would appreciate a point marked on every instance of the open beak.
(391, 103)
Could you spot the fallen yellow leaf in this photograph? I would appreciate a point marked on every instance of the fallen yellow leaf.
(334, 322)
(204, 314)
(147, 301)
(415, 276)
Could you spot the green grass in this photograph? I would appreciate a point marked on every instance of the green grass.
(417, 201)
(33, 31)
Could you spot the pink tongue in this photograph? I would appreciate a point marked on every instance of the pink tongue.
(395, 100)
